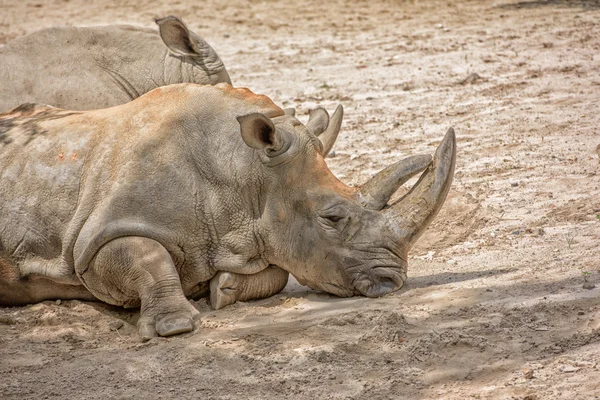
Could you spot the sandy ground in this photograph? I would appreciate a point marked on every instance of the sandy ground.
(495, 306)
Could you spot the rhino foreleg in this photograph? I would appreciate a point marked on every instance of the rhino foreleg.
(226, 287)
(137, 271)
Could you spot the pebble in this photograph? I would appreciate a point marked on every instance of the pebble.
(588, 285)
(7, 320)
(115, 325)
(569, 369)
(472, 78)
(527, 373)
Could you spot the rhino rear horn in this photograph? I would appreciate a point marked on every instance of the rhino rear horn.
(376, 192)
(412, 213)
(324, 128)
(318, 119)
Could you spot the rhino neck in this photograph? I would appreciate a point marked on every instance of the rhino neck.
(229, 204)
(201, 70)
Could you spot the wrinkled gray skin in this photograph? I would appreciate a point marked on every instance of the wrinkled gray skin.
(141, 205)
(99, 67)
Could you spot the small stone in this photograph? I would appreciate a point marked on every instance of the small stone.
(58, 302)
(7, 320)
(331, 154)
(514, 184)
(588, 285)
(488, 290)
(527, 373)
(472, 78)
(569, 369)
(115, 325)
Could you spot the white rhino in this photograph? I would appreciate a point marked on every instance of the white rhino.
(146, 203)
(98, 67)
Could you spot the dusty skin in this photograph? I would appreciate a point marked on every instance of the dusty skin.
(495, 305)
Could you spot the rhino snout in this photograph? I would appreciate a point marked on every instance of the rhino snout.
(380, 281)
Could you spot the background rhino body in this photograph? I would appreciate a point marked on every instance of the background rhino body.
(98, 67)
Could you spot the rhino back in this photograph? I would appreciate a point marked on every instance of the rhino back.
(90, 67)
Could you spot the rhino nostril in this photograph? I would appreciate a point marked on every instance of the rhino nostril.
(380, 281)
(387, 282)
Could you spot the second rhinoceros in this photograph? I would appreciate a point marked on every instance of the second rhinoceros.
(85, 68)
(146, 203)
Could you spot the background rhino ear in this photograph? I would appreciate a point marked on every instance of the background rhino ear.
(259, 132)
(179, 39)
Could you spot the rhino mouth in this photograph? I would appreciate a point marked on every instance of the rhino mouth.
(337, 290)
(380, 281)
(377, 282)
(328, 287)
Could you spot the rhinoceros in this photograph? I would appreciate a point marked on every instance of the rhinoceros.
(193, 186)
(97, 67)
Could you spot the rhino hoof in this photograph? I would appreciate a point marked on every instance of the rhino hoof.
(174, 324)
(222, 290)
(146, 329)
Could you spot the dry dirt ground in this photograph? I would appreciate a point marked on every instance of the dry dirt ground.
(495, 306)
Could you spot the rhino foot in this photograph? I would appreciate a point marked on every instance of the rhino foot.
(226, 287)
(167, 325)
(223, 290)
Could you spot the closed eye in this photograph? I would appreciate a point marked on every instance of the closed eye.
(334, 218)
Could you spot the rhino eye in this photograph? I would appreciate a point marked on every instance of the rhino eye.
(334, 218)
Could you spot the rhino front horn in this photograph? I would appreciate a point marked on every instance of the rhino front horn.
(412, 213)
(326, 129)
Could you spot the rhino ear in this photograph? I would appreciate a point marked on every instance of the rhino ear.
(179, 39)
(259, 132)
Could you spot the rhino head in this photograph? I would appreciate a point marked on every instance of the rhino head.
(332, 237)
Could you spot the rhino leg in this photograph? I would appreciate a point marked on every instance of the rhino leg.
(137, 271)
(34, 289)
(226, 287)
